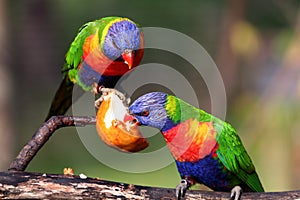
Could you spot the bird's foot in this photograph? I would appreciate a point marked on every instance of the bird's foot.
(236, 193)
(122, 97)
(181, 188)
(105, 91)
(98, 102)
(96, 88)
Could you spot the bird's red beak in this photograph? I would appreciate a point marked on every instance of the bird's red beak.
(132, 119)
(128, 57)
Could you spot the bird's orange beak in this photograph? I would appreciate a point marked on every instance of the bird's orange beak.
(128, 58)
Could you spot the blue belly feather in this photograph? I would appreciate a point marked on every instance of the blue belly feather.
(210, 172)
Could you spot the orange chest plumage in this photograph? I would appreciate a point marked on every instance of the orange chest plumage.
(191, 140)
(95, 58)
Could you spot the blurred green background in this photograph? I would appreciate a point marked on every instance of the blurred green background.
(255, 44)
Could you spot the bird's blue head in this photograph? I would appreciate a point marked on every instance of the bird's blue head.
(149, 110)
(121, 40)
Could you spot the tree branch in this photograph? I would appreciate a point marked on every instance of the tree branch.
(25, 185)
(42, 136)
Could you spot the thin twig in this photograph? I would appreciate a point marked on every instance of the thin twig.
(42, 136)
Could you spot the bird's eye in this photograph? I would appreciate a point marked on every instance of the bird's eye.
(145, 113)
(115, 45)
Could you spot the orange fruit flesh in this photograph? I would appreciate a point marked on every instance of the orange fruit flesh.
(124, 136)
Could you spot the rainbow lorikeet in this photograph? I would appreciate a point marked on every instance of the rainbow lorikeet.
(100, 54)
(206, 149)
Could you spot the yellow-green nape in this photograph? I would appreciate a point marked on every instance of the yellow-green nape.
(173, 108)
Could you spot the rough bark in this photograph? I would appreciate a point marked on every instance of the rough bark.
(26, 185)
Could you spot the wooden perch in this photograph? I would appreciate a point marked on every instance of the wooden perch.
(25, 185)
(17, 184)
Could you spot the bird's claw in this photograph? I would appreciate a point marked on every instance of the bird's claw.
(98, 102)
(96, 88)
(236, 193)
(181, 188)
(105, 91)
(121, 96)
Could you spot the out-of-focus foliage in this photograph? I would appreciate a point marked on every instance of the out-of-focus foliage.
(256, 45)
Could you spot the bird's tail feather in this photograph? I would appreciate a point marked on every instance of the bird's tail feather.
(62, 100)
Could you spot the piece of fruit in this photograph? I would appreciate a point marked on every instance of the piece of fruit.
(116, 127)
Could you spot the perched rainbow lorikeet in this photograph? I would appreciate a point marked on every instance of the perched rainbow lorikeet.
(100, 54)
(207, 150)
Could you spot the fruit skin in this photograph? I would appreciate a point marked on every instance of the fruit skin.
(116, 127)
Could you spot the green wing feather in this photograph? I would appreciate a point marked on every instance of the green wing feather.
(75, 52)
(233, 155)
